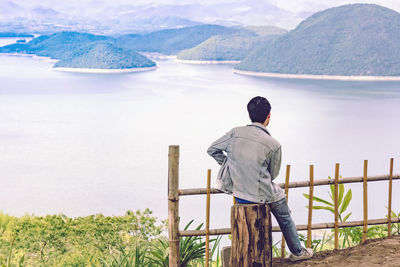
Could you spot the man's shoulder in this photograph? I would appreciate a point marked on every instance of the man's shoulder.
(257, 134)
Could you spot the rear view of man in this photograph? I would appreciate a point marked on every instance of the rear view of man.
(250, 160)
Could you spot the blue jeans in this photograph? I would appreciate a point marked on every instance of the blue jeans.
(281, 211)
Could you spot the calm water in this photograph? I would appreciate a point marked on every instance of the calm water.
(80, 144)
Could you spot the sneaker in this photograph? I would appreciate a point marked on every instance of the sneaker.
(305, 253)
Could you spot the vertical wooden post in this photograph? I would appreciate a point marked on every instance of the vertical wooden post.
(287, 196)
(336, 206)
(207, 263)
(390, 199)
(251, 235)
(173, 205)
(310, 206)
(365, 198)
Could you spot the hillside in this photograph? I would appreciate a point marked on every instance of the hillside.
(266, 30)
(171, 41)
(221, 47)
(57, 46)
(81, 50)
(359, 39)
(231, 47)
(101, 55)
(378, 252)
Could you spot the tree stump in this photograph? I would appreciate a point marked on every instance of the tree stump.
(251, 235)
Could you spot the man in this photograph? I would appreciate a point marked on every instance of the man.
(251, 162)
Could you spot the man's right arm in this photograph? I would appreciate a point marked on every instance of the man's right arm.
(217, 148)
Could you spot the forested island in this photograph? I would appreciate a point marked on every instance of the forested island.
(350, 40)
(88, 52)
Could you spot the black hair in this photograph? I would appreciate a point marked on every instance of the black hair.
(258, 109)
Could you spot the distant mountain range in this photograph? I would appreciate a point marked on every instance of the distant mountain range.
(118, 18)
(359, 39)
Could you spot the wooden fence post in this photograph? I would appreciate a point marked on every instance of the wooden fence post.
(287, 196)
(251, 235)
(365, 198)
(310, 206)
(173, 205)
(390, 198)
(207, 263)
(336, 197)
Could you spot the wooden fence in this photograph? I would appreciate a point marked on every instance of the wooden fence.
(174, 193)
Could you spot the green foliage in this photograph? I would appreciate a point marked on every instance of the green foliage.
(276, 250)
(235, 46)
(359, 39)
(222, 47)
(344, 199)
(102, 55)
(81, 50)
(191, 250)
(135, 239)
(343, 202)
(134, 258)
(317, 244)
(57, 240)
(172, 41)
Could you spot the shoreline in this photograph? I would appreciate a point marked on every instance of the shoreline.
(103, 71)
(203, 62)
(48, 59)
(80, 70)
(317, 77)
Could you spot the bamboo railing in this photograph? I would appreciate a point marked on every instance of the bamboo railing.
(174, 193)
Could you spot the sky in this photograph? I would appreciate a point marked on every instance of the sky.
(291, 12)
(290, 5)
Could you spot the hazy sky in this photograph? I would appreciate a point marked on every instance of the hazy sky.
(294, 11)
(290, 5)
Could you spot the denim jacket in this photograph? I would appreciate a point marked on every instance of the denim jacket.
(250, 160)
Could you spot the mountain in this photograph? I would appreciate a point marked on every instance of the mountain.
(231, 47)
(171, 41)
(129, 23)
(58, 45)
(102, 55)
(81, 50)
(266, 30)
(358, 39)
(124, 17)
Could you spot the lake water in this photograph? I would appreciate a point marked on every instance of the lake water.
(80, 144)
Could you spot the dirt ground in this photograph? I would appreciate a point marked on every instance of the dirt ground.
(378, 252)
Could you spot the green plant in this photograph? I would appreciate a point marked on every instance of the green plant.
(395, 226)
(159, 253)
(276, 251)
(344, 199)
(317, 244)
(10, 254)
(191, 249)
(214, 250)
(135, 258)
